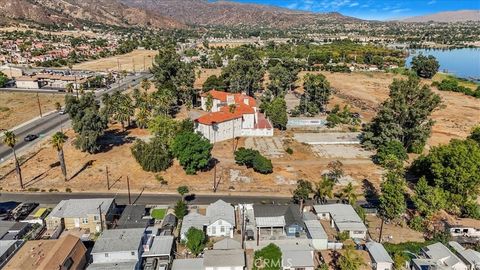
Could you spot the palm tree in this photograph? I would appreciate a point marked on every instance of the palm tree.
(58, 139)
(10, 140)
(348, 193)
(324, 189)
(69, 87)
(146, 84)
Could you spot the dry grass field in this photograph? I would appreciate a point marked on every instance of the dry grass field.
(16, 108)
(137, 60)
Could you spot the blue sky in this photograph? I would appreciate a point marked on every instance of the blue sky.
(374, 9)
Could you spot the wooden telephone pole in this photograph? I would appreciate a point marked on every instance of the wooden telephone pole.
(128, 186)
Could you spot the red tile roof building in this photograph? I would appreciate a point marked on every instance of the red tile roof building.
(231, 115)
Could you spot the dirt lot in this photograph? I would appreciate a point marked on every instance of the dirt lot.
(392, 233)
(16, 108)
(137, 60)
(204, 74)
(365, 91)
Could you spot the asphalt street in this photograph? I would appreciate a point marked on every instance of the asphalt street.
(53, 122)
(137, 198)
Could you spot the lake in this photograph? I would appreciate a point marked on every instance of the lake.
(464, 63)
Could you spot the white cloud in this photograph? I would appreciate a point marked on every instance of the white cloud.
(354, 4)
(432, 2)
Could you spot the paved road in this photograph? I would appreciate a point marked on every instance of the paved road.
(47, 124)
(166, 199)
(26, 90)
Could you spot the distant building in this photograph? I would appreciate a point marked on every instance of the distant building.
(469, 256)
(342, 217)
(28, 82)
(380, 258)
(82, 213)
(231, 115)
(118, 249)
(68, 252)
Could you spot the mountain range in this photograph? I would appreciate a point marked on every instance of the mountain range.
(182, 13)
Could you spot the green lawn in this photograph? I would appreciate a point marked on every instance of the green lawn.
(158, 213)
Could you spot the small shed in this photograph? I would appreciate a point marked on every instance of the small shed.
(380, 258)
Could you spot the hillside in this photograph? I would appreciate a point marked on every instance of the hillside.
(110, 12)
(203, 12)
(450, 16)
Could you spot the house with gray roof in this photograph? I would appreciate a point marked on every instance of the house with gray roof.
(219, 220)
(469, 256)
(221, 217)
(119, 247)
(133, 216)
(89, 214)
(298, 257)
(342, 217)
(8, 249)
(380, 258)
(188, 264)
(317, 234)
(271, 216)
(227, 243)
(160, 250)
(214, 259)
(438, 256)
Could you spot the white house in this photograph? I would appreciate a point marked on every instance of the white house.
(219, 220)
(229, 116)
(221, 216)
(118, 249)
(380, 258)
(342, 217)
(438, 256)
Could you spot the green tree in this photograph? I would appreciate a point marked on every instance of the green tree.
(154, 156)
(146, 84)
(3, 79)
(213, 83)
(245, 73)
(192, 150)
(180, 209)
(427, 199)
(195, 240)
(57, 141)
(268, 258)
(142, 118)
(317, 92)
(475, 135)
(262, 164)
(324, 189)
(302, 192)
(276, 111)
(425, 66)
(405, 116)
(182, 190)
(349, 260)
(335, 170)
(10, 140)
(209, 102)
(392, 203)
(164, 127)
(392, 148)
(349, 194)
(280, 80)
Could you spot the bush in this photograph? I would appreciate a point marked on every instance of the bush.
(451, 84)
(289, 151)
(68, 190)
(270, 253)
(192, 150)
(153, 156)
(253, 159)
(417, 224)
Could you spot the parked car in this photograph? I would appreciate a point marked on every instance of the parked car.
(62, 112)
(30, 137)
(23, 210)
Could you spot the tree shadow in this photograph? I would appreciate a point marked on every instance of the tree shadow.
(38, 177)
(84, 167)
(371, 193)
(138, 196)
(211, 164)
(113, 138)
(190, 197)
(115, 182)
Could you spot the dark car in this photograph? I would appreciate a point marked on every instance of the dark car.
(30, 137)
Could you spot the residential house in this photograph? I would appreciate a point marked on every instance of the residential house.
(118, 249)
(8, 249)
(342, 217)
(221, 219)
(90, 214)
(298, 257)
(438, 256)
(188, 264)
(231, 116)
(160, 250)
(133, 216)
(317, 234)
(214, 259)
(218, 221)
(380, 258)
(287, 218)
(67, 252)
(12, 230)
(469, 256)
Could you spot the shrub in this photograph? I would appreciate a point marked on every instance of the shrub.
(68, 190)
(394, 148)
(417, 224)
(289, 151)
(153, 156)
(253, 159)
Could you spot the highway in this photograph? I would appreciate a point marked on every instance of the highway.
(122, 198)
(50, 123)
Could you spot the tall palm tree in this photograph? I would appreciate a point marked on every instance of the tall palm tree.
(348, 193)
(58, 139)
(324, 189)
(10, 140)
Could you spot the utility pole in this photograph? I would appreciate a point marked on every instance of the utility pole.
(381, 232)
(108, 179)
(39, 106)
(215, 178)
(118, 65)
(133, 65)
(101, 218)
(128, 186)
(144, 66)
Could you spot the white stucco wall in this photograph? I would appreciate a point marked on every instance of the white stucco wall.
(215, 229)
(119, 256)
(28, 84)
